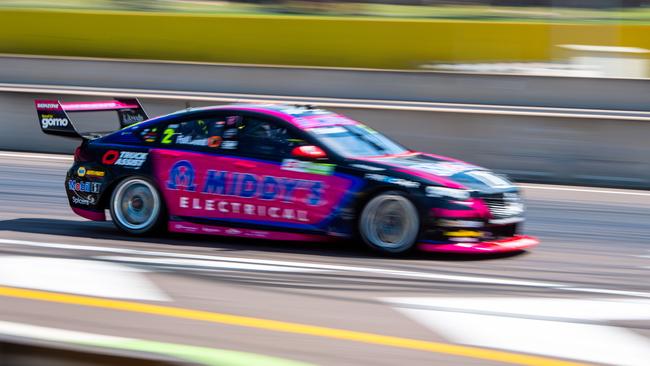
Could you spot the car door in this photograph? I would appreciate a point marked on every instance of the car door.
(251, 179)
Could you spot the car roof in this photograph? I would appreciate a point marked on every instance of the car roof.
(301, 116)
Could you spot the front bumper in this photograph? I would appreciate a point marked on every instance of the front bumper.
(512, 244)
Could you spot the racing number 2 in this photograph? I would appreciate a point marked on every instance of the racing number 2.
(167, 136)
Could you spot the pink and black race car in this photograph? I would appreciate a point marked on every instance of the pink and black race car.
(281, 172)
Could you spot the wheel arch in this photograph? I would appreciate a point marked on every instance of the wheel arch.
(105, 199)
(375, 191)
(406, 195)
(162, 217)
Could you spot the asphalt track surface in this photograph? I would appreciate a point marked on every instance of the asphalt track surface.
(221, 292)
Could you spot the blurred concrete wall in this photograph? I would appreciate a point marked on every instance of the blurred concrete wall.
(511, 90)
(548, 146)
(604, 152)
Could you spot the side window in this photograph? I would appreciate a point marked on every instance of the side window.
(263, 137)
(200, 132)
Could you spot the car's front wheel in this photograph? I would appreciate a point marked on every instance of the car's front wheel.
(136, 206)
(389, 223)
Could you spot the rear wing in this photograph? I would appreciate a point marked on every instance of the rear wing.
(53, 115)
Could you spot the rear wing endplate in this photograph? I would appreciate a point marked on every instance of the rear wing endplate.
(54, 120)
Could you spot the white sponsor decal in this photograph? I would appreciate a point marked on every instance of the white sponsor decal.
(47, 106)
(83, 201)
(185, 227)
(54, 122)
(391, 180)
(299, 111)
(229, 133)
(207, 229)
(367, 167)
(132, 118)
(187, 140)
(445, 169)
(327, 130)
(131, 159)
(226, 207)
(229, 145)
(307, 167)
(490, 179)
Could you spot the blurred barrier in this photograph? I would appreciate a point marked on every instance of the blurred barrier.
(420, 86)
(552, 146)
(297, 40)
(291, 40)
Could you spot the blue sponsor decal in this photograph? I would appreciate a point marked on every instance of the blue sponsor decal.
(181, 175)
(87, 187)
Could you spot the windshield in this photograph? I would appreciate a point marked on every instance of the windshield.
(356, 140)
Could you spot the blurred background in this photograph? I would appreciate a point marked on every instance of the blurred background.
(560, 37)
(553, 93)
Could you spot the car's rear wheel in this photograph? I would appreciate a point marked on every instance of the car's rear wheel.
(389, 223)
(136, 206)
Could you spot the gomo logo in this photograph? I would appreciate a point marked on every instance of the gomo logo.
(54, 122)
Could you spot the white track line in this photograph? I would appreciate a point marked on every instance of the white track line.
(310, 265)
(205, 264)
(35, 156)
(586, 190)
(606, 291)
(328, 267)
(323, 102)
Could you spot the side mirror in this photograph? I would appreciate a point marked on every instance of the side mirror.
(309, 152)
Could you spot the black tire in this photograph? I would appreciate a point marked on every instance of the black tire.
(137, 207)
(389, 223)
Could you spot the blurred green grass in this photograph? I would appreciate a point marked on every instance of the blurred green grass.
(346, 9)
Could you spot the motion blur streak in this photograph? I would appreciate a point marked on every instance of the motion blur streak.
(287, 327)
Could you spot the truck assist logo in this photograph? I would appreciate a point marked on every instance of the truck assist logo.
(127, 159)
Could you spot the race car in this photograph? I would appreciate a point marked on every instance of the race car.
(283, 172)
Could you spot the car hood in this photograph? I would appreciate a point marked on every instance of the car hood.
(445, 171)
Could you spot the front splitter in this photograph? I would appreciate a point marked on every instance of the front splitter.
(513, 244)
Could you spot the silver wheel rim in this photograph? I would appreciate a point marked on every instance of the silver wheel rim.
(136, 204)
(390, 222)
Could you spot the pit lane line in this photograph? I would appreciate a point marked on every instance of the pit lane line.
(27, 155)
(293, 265)
(284, 327)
